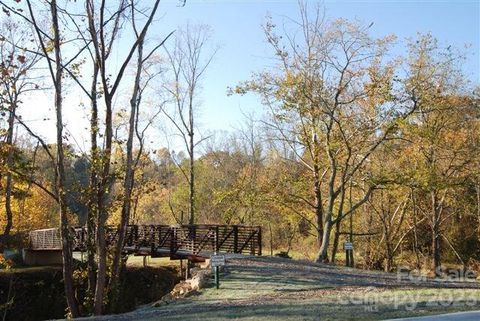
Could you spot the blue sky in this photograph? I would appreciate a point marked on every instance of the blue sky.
(237, 29)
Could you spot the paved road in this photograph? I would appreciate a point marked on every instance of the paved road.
(459, 316)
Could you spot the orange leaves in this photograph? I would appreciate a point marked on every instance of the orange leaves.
(5, 263)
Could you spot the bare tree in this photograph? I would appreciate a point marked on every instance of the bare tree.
(51, 49)
(133, 133)
(102, 38)
(188, 63)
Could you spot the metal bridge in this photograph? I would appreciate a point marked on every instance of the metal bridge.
(192, 242)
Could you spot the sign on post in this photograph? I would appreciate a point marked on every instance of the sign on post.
(348, 246)
(217, 260)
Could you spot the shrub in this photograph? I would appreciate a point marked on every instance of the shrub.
(5, 264)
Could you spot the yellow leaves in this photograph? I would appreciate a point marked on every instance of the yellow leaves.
(239, 90)
(379, 86)
(5, 264)
(49, 46)
(290, 79)
(455, 138)
(36, 211)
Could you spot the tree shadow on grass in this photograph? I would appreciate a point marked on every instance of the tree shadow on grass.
(302, 310)
(307, 272)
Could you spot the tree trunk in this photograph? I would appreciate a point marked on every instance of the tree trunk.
(192, 179)
(327, 221)
(101, 222)
(415, 234)
(92, 215)
(350, 253)
(64, 228)
(389, 252)
(436, 264)
(336, 240)
(368, 247)
(9, 183)
(322, 256)
(129, 178)
(477, 188)
(102, 261)
(102, 212)
(389, 263)
(271, 237)
(318, 205)
(338, 222)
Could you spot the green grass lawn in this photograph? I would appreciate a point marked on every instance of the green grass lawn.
(153, 262)
(243, 296)
(30, 269)
(281, 292)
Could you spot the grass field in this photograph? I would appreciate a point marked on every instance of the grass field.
(280, 289)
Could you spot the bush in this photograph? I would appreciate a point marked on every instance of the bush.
(5, 264)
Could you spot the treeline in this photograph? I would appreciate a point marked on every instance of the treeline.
(357, 143)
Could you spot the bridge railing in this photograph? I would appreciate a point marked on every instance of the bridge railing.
(177, 240)
(219, 238)
(45, 239)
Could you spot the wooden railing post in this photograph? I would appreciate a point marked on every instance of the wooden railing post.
(252, 243)
(217, 247)
(259, 240)
(235, 239)
(193, 236)
(172, 240)
(135, 236)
